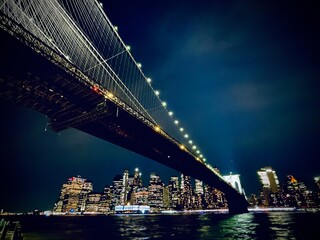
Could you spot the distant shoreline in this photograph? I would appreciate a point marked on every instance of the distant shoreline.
(169, 212)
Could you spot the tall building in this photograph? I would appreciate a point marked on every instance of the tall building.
(73, 195)
(125, 188)
(198, 203)
(198, 186)
(137, 179)
(186, 192)
(155, 189)
(270, 184)
(116, 191)
(174, 193)
(296, 194)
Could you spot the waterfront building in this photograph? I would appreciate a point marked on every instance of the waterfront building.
(73, 195)
(140, 196)
(270, 184)
(155, 190)
(93, 202)
(105, 201)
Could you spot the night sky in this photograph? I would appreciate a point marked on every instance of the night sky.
(241, 76)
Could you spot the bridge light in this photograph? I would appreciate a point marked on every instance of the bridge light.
(128, 48)
(197, 158)
(140, 174)
(149, 80)
(139, 65)
(157, 92)
(181, 129)
(110, 95)
(204, 159)
(116, 28)
(176, 122)
(198, 151)
(96, 89)
(157, 128)
(164, 104)
(186, 136)
(182, 147)
(136, 170)
(170, 113)
(194, 147)
(201, 155)
(190, 142)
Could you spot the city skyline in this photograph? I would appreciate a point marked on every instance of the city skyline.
(180, 193)
(247, 76)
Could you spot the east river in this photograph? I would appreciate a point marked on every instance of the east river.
(267, 225)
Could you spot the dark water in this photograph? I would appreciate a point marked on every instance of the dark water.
(194, 226)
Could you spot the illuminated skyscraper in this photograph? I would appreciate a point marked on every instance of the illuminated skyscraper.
(155, 189)
(198, 187)
(174, 193)
(186, 192)
(125, 188)
(198, 203)
(74, 195)
(270, 184)
(116, 190)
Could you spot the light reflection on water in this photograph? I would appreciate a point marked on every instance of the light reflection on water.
(281, 225)
(185, 226)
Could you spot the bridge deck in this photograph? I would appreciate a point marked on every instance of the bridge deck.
(46, 88)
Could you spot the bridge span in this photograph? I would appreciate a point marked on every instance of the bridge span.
(48, 82)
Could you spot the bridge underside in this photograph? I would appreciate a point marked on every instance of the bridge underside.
(29, 79)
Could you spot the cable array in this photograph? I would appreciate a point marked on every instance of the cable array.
(82, 33)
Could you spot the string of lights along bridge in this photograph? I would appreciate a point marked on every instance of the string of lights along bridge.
(82, 33)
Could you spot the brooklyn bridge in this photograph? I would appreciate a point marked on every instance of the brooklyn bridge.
(76, 70)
